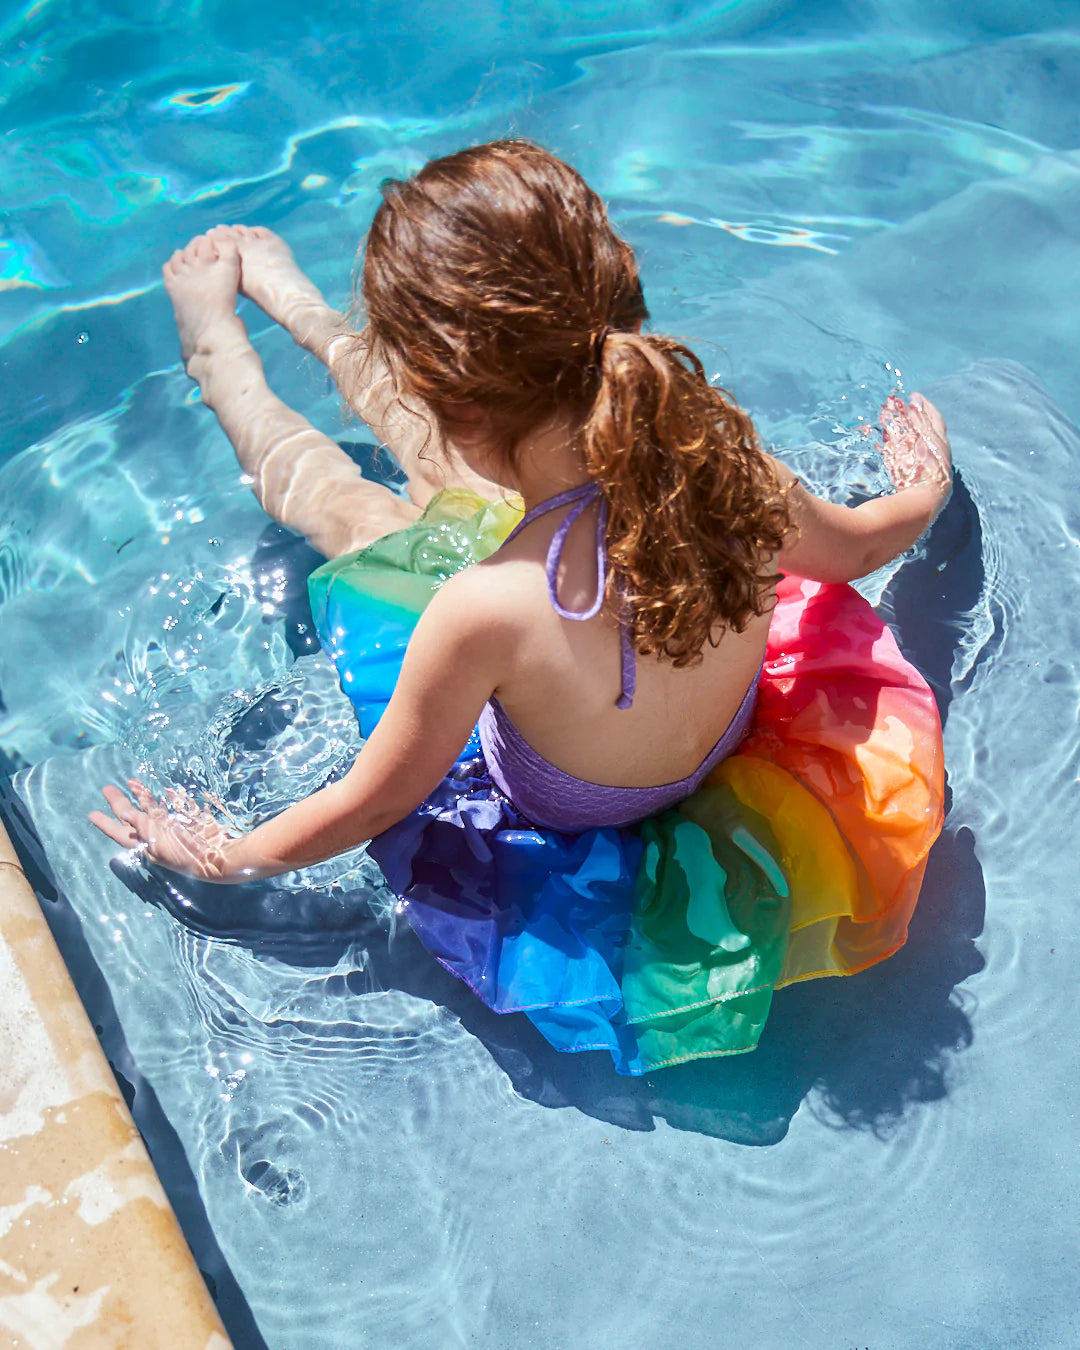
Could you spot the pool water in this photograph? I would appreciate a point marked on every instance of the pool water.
(829, 202)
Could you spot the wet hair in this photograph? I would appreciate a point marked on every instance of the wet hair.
(493, 279)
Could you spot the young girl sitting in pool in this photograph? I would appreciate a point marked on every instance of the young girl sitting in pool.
(695, 765)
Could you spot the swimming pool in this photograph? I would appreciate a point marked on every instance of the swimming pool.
(827, 205)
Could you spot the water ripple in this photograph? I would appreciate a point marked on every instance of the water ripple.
(383, 1162)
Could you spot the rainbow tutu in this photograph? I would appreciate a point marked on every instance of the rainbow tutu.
(664, 941)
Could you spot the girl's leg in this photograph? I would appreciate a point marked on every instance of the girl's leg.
(269, 276)
(301, 477)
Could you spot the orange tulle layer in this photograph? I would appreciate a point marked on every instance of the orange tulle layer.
(845, 762)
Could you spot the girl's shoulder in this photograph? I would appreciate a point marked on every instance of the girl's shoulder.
(491, 597)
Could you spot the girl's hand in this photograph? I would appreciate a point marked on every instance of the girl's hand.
(915, 447)
(185, 838)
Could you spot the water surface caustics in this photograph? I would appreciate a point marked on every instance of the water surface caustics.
(827, 215)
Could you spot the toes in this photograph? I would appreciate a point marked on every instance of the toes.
(219, 244)
(227, 234)
(246, 234)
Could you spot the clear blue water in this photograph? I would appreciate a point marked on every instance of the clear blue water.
(829, 200)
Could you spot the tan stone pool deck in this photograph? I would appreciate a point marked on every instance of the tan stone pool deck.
(91, 1254)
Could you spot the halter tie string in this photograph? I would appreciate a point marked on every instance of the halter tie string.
(579, 499)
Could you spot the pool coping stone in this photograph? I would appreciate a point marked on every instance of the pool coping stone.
(91, 1254)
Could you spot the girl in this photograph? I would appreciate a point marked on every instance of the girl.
(702, 769)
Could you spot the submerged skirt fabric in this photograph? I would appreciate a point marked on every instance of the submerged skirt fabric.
(801, 856)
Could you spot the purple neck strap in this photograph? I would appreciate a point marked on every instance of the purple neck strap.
(579, 499)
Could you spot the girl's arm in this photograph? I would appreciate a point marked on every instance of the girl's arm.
(840, 543)
(451, 667)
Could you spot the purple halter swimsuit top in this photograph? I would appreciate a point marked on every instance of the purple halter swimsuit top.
(547, 795)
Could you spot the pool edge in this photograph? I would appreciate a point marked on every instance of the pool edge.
(91, 1253)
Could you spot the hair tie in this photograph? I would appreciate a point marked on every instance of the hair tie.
(596, 350)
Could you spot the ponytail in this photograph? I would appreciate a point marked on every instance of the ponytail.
(693, 504)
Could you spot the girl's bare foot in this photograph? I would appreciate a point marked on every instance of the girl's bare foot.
(269, 276)
(202, 281)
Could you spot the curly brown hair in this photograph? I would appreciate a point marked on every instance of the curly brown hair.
(493, 279)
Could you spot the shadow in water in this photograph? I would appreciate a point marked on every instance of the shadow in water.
(931, 595)
(869, 1045)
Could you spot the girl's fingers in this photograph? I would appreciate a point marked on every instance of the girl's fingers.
(117, 830)
(937, 420)
(121, 805)
(915, 441)
(896, 416)
(182, 805)
(183, 835)
(930, 426)
(920, 422)
(932, 413)
(146, 799)
(920, 416)
(132, 826)
(894, 408)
